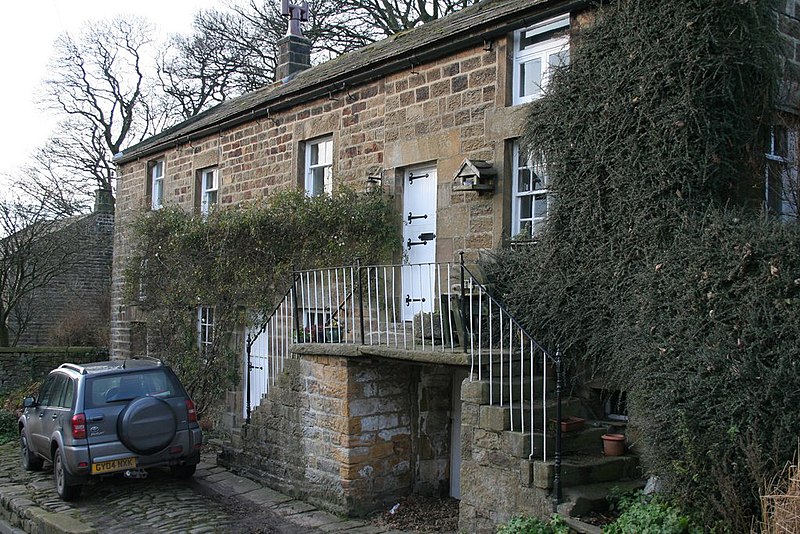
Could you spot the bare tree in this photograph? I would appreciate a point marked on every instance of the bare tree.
(234, 51)
(99, 83)
(192, 76)
(394, 16)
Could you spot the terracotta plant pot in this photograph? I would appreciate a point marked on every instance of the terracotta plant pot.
(613, 444)
(570, 424)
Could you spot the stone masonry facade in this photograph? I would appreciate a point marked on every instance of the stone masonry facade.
(444, 111)
(350, 435)
(789, 27)
(353, 434)
(73, 308)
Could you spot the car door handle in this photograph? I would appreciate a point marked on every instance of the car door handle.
(96, 418)
(55, 416)
(41, 415)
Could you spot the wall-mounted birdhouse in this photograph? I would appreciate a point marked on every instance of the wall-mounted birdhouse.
(475, 175)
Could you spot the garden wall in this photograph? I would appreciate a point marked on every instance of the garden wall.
(21, 365)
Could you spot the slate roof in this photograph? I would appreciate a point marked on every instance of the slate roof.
(485, 20)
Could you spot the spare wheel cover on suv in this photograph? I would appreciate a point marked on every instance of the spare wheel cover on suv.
(147, 425)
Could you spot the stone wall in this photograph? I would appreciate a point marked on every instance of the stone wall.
(351, 435)
(497, 479)
(74, 307)
(20, 366)
(443, 112)
(789, 27)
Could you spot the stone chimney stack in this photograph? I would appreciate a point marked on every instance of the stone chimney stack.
(103, 201)
(294, 50)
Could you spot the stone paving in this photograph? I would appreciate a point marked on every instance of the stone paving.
(215, 500)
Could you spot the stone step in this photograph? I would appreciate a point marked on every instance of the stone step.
(499, 418)
(579, 500)
(581, 470)
(580, 527)
(586, 441)
(486, 392)
(520, 389)
(497, 363)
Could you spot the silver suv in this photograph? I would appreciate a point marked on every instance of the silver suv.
(104, 417)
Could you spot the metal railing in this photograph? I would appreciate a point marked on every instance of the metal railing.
(521, 373)
(266, 349)
(443, 307)
(399, 306)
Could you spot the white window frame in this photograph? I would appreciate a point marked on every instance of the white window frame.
(205, 328)
(539, 188)
(209, 194)
(324, 164)
(157, 184)
(538, 50)
(782, 192)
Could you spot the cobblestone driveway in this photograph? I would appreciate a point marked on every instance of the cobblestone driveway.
(214, 501)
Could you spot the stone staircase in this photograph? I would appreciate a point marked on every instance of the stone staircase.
(587, 475)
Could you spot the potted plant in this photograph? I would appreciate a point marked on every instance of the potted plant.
(570, 423)
(613, 444)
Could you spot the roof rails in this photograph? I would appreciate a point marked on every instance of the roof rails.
(74, 367)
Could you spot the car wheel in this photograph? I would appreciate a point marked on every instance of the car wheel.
(183, 471)
(30, 462)
(65, 490)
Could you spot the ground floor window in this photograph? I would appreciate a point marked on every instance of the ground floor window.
(530, 195)
(205, 328)
(782, 184)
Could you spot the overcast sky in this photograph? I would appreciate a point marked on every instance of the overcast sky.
(29, 29)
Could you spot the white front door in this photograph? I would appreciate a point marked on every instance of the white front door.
(419, 240)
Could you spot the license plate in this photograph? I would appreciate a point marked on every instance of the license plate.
(113, 465)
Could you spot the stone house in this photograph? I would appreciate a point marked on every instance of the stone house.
(73, 308)
(434, 114)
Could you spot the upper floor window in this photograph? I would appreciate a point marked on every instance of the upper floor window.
(781, 180)
(205, 328)
(537, 50)
(319, 167)
(155, 184)
(530, 199)
(209, 189)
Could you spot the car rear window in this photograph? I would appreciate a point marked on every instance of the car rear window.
(111, 389)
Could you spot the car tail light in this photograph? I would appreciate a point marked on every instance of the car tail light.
(191, 412)
(79, 426)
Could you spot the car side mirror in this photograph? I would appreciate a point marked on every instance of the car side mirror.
(29, 402)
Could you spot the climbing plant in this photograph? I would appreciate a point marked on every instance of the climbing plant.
(657, 267)
(239, 261)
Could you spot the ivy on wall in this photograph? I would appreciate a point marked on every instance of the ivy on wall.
(646, 272)
(239, 261)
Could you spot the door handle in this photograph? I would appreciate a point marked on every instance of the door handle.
(41, 415)
(96, 418)
(423, 239)
(55, 416)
